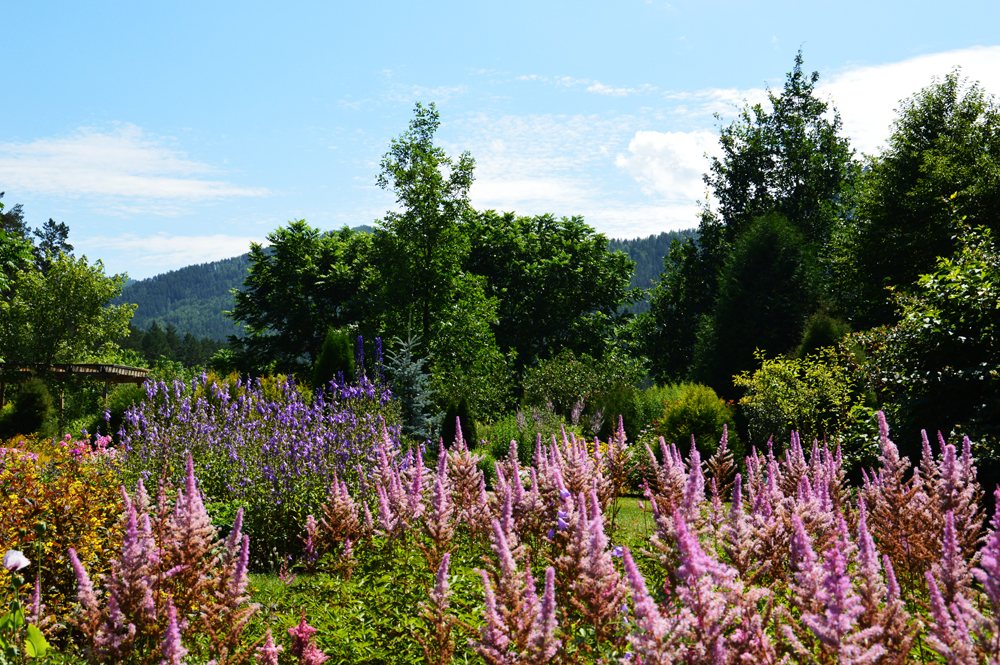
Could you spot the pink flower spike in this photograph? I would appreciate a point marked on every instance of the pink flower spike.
(85, 588)
(172, 649)
(268, 654)
(301, 637)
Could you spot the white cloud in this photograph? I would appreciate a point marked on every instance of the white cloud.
(152, 254)
(591, 85)
(867, 96)
(709, 101)
(670, 163)
(121, 163)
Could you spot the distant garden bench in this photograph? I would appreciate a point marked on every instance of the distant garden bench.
(18, 372)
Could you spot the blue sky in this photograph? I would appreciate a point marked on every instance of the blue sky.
(174, 133)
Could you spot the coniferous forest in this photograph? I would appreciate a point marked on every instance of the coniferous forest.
(463, 435)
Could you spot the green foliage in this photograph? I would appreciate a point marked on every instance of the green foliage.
(411, 386)
(822, 330)
(697, 411)
(766, 290)
(155, 343)
(941, 161)
(556, 283)
(816, 396)
(523, 427)
(465, 361)
(938, 365)
(33, 411)
(112, 418)
(336, 359)
(63, 315)
(562, 382)
(303, 282)
(420, 249)
(15, 252)
(461, 411)
(790, 160)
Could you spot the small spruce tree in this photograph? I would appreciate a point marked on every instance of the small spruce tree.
(335, 358)
(411, 384)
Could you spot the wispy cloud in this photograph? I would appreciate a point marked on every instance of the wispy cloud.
(867, 96)
(589, 85)
(152, 254)
(121, 168)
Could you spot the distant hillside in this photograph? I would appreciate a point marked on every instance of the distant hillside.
(194, 298)
(648, 255)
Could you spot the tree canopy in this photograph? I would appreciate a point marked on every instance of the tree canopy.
(305, 281)
(63, 314)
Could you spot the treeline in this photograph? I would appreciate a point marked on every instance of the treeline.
(156, 343)
(195, 298)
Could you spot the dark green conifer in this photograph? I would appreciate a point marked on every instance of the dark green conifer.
(336, 359)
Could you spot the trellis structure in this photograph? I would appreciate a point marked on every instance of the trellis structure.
(18, 372)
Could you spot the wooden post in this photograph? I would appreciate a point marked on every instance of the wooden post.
(105, 390)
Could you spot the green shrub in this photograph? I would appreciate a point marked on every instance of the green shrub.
(112, 416)
(33, 411)
(589, 393)
(699, 411)
(335, 358)
(821, 330)
(460, 410)
(814, 396)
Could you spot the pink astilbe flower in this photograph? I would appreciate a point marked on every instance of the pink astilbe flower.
(656, 640)
(437, 643)
(268, 654)
(706, 588)
(188, 539)
(302, 644)
(519, 627)
(310, 543)
(340, 516)
(542, 643)
(437, 525)
(948, 633)
(951, 571)
(171, 648)
(824, 594)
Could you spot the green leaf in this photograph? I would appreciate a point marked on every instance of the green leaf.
(34, 644)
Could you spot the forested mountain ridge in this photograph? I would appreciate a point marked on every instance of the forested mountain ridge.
(648, 255)
(194, 298)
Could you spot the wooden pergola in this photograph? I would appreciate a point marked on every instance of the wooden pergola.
(18, 372)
